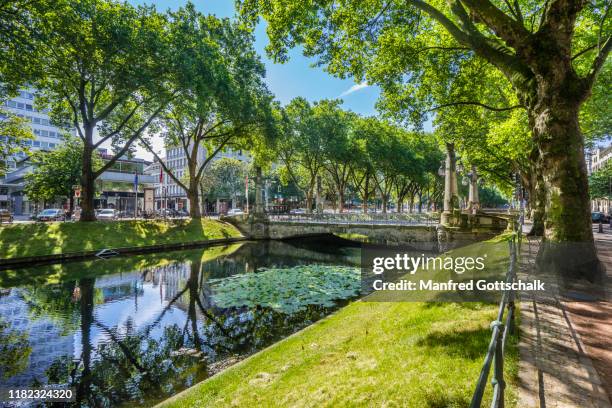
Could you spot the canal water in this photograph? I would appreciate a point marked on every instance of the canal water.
(136, 330)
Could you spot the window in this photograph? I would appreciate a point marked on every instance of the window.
(11, 104)
(36, 143)
(20, 105)
(28, 107)
(36, 120)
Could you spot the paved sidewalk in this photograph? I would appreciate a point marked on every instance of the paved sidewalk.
(556, 369)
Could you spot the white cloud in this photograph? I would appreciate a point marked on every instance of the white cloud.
(354, 88)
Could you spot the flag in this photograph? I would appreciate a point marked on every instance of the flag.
(161, 175)
(135, 182)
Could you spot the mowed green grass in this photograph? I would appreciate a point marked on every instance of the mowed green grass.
(391, 354)
(25, 240)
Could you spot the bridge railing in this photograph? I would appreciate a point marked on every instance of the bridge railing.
(359, 218)
(501, 328)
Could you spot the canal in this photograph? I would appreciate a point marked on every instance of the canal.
(138, 329)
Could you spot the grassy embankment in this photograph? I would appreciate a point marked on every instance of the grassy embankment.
(397, 354)
(26, 240)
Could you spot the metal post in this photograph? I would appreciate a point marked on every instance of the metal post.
(498, 372)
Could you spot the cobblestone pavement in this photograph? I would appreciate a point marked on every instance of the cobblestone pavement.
(555, 367)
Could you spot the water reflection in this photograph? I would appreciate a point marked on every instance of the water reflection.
(142, 328)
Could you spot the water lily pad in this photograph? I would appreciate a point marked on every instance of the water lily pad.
(287, 290)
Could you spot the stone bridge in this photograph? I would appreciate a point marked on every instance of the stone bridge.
(390, 228)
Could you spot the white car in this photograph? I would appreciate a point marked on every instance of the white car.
(107, 214)
(235, 211)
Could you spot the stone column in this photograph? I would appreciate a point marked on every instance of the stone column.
(319, 199)
(259, 204)
(473, 199)
(450, 183)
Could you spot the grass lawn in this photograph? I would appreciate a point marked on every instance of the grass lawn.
(24, 240)
(395, 354)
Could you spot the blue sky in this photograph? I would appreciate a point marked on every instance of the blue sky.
(295, 77)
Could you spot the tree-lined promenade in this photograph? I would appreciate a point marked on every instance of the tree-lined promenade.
(482, 102)
(509, 87)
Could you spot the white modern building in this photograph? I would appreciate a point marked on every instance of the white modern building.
(47, 136)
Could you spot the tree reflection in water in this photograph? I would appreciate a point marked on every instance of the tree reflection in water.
(149, 363)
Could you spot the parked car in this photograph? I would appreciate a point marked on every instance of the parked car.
(235, 211)
(6, 216)
(168, 212)
(51, 214)
(298, 211)
(597, 216)
(107, 214)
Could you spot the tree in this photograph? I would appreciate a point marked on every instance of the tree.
(301, 148)
(338, 148)
(102, 67)
(536, 48)
(15, 350)
(224, 178)
(224, 101)
(600, 183)
(14, 134)
(56, 171)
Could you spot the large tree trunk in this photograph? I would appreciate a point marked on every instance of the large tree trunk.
(194, 200)
(309, 194)
(340, 200)
(569, 248)
(537, 205)
(88, 187)
(366, 194)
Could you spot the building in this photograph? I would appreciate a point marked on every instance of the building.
(599, 158)
(168, 194)
(115, 186)
(47, 136)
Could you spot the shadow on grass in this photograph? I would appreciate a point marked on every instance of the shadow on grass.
(442, 400)
(25, 240)
(470, 344)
